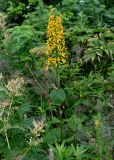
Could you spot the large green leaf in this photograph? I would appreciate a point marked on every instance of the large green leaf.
(57, 96)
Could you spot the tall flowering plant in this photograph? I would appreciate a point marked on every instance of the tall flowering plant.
(56, 51)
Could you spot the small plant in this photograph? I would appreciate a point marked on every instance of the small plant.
(12, 89)
(61, 152)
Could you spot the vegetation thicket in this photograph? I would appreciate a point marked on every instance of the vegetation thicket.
(56, 80)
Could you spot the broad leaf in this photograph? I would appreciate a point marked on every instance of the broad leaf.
(57, 96)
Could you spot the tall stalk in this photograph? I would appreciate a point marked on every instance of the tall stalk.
(47, 91)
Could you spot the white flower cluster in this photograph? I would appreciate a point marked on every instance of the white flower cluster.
(2, 21)
(14, 86)
(1, 76)
(36, 133)
(3, 105)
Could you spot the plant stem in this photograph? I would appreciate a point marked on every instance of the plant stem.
(58, 78)
(6, 135)
(35, 78)
(47, 91)
(7, 140)
(61, 121)
(9, 109)
(23, 155)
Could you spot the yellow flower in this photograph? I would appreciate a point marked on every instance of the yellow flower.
(97, 123)
(55, 41)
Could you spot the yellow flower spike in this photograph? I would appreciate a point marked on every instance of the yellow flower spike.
(55, 40)
(97, 123)
(51, 32)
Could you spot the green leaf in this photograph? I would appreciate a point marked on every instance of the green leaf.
(24, 108)
(52, 135)
(8, 126)
(2, 89)
(57, 96)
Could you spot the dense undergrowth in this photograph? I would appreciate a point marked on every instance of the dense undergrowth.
(56, 80)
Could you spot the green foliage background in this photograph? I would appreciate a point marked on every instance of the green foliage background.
(86, 92)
